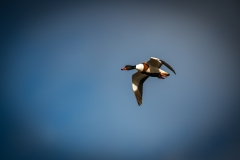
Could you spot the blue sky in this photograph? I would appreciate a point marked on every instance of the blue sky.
(65, 95)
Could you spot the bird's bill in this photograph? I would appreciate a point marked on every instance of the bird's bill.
(124, 68)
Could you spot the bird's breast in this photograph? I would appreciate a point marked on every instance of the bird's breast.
(140, 67)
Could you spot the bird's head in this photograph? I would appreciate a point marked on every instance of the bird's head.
(128, 67)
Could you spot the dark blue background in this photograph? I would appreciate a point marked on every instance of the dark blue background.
(63, 95)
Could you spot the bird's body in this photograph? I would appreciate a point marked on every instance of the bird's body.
(147, 69)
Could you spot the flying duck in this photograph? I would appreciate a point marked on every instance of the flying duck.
(147, 69)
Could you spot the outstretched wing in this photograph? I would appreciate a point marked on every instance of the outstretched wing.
(158, 63)
(137, 84)
(154, 62)
(168, 66)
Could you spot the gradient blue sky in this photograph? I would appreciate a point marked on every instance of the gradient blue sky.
(64, 95)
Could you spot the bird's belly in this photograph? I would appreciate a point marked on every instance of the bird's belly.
(152, 71)
(151, 74)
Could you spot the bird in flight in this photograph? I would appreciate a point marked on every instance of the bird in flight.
(147, 69)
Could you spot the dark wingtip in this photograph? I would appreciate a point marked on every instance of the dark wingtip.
(168, 66)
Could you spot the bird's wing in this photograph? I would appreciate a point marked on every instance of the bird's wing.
(168, 66)
(154, 62)
(137, 84)
(158, 63)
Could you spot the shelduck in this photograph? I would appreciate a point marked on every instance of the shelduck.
(147, 69)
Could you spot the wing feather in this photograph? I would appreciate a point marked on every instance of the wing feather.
(154, 62)
(168, 66)
(158, 63)
(137, 84)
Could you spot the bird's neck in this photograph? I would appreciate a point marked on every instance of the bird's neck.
(133, 67)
